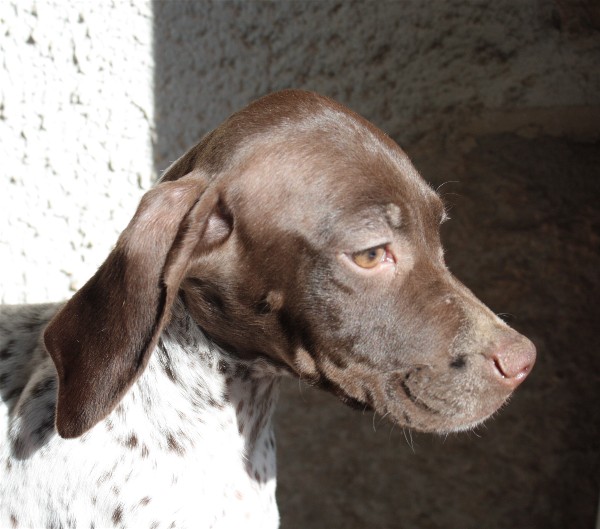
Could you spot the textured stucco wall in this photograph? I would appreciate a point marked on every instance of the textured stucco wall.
(413, 67)
(76, 111)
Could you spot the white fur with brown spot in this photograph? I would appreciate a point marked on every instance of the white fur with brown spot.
(190, 445)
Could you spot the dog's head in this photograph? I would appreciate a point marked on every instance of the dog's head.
(298, 232)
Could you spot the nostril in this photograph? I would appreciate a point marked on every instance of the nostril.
(498, 366)
(513, 361)
(506, 372)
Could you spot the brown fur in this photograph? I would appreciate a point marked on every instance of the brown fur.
(253, 228)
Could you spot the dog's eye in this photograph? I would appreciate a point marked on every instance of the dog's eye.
(370, 258)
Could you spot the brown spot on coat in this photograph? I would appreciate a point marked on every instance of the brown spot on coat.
(117, 516)
(174, 445)
(239, 407)
(132, 441)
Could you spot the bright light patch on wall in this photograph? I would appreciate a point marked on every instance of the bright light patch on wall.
(76, 123)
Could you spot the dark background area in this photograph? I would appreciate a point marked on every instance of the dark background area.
(498, 105)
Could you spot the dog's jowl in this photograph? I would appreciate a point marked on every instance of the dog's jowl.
(294, 240)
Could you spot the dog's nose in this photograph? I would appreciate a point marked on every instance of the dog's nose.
(513, 360)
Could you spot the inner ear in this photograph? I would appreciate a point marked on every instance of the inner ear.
(207, 226)
(218, 226)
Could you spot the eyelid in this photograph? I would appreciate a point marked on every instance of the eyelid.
(372, 244)
(369, 248)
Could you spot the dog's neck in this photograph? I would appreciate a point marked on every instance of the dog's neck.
(212, 413)
(207, 398)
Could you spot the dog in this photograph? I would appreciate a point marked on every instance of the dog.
(296, 239)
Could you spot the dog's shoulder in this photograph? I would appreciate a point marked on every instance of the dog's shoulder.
(21, 327)
(27, 374)
(21, 348)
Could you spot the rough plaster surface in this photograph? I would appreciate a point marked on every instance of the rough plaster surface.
(499, 101)
(76, 111)
(413, 67)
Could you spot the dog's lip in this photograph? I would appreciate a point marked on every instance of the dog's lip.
(398, 385)
(421, 416)
(417, 411)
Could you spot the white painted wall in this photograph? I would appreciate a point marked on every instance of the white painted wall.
(76, 118)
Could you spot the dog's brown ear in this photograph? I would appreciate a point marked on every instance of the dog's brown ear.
(102, 338)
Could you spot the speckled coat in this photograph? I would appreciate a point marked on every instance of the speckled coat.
(190, 445)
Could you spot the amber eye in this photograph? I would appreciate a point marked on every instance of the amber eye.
(370, 258)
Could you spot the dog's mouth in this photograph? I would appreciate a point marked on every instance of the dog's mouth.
(440, 402)
(423, 399)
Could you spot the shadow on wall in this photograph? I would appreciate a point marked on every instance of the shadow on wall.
(411, 68)
(212, 58)
(501, 101)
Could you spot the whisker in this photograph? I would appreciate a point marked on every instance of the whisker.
(409, 442)
(446, 182)
(301, 391)
(504, 315)
(381, 419)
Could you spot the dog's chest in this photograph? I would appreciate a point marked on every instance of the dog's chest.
(192, 479)
(95, 482)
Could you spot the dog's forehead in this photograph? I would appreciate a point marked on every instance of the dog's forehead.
(331, 164)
